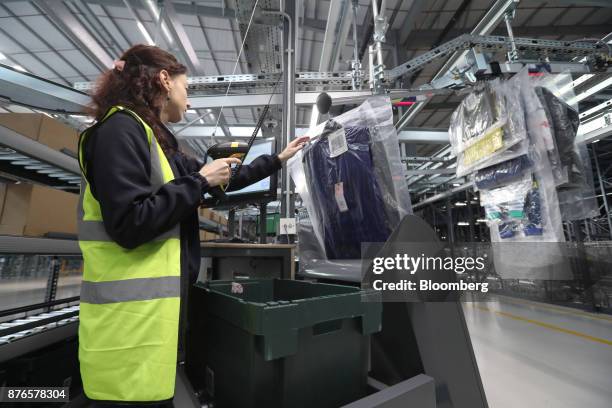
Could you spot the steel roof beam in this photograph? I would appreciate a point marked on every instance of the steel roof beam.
(59, 14)
(336, 31)
(179, 33)
(407, 26)
(182, 8)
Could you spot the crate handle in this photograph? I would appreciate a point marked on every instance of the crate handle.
(327, 327)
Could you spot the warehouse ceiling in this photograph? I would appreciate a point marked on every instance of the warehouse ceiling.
(73, 41)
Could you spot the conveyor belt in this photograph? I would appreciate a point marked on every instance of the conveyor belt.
(23, 335)
(27, 326)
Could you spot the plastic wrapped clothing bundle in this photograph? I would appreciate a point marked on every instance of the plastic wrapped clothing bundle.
(345, 192)
(551, 118)
(564, 123)
(519, 193)
(579, 202)
(504, 208)
(488, 127)
(540, 125)
(352, 184)
(520, 197)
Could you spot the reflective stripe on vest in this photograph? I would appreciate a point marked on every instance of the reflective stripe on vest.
(130, 290)
(130, 299)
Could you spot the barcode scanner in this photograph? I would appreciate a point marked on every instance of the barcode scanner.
(234, 149)
(238, 150)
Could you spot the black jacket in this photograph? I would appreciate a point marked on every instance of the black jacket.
(118, 166)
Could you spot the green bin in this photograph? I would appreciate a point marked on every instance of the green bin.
(280, 343)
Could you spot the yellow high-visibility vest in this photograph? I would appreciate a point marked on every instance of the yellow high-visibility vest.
(130, 299)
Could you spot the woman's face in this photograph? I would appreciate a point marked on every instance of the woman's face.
(178, 103)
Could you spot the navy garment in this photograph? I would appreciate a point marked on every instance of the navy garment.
(502, 173)
(364, 219)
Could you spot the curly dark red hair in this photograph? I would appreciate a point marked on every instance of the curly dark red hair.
(138, 87)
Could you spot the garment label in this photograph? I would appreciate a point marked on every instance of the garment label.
(339, 194)
(337, 143)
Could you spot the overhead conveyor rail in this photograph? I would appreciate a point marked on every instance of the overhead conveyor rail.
(487, 43)
(343, 79)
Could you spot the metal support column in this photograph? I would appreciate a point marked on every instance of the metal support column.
(380, 28)
(603, 189)
(581, 264)
(470, 216)
(288, 128)
(355, 63)
(263, 223)
(52, 281)
(240, 225)
(231, 224)
(513, 53)
(449, 222)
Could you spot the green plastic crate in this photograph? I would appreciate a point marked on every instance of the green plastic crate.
(280, 343)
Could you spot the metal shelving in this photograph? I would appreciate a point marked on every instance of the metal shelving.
(26, 159)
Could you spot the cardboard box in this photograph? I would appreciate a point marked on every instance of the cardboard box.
(11, 230)
(207, 236)
(219, 218)
(33, 210)
(43, 129)
(206, 213)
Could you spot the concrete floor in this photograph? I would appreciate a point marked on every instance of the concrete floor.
(538, 355)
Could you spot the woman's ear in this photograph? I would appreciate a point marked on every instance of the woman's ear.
(164, 79)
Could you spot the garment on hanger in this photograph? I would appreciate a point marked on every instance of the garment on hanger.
(346, 195)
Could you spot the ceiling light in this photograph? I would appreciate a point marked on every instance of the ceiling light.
(2, 56)
(192, 111)
(155, 11)
(19, 68)
(144, 32)
(460, 204)
(139, 24)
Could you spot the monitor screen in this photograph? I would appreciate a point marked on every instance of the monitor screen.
(263, 190)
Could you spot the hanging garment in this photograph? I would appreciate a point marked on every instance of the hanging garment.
(564, 121)
(347, 198)
(488, 127)
(502, 173)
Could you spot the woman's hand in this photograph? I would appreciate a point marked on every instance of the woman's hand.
(219, 171)
(292, 148)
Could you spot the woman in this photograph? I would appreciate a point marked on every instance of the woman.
(138, 228)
